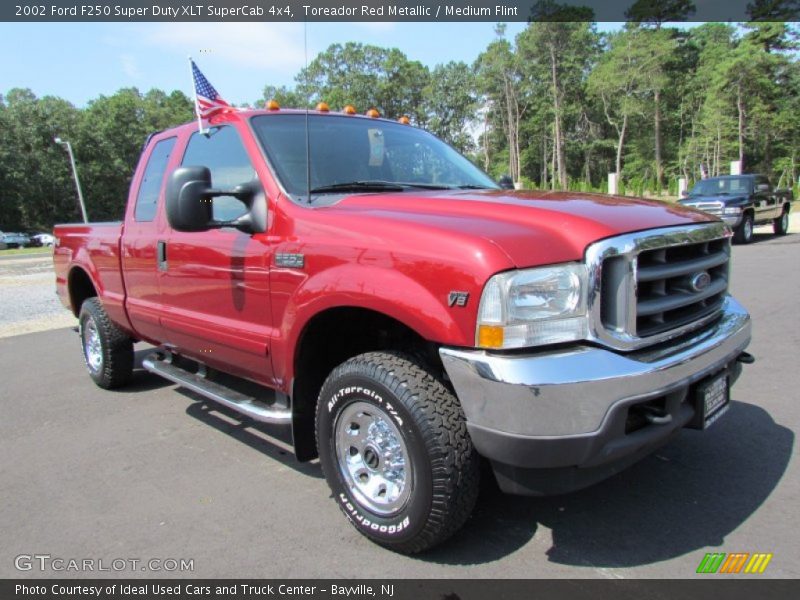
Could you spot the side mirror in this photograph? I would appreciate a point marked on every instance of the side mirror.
(189, 204)
(506, 182)
(684, 193)
(188, 201)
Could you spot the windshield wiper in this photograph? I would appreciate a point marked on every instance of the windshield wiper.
(472, 186)
(358, 186)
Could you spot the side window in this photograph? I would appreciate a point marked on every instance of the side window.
(223, 153)
(150, 187)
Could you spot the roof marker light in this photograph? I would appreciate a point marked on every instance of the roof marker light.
(373, 113)
(323, 107)
(273, 105)
(349, 109)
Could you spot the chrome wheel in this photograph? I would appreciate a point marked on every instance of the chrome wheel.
(373, 458)
(92, 347)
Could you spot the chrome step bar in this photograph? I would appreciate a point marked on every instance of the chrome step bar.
(247, 405)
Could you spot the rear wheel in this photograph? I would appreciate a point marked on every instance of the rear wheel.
(107, 350)
(395, 450)
(781, 225)
(744, 232)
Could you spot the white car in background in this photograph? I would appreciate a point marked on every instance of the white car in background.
(44, 239)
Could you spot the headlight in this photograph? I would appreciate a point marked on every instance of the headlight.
(733, 210)
(532, 307)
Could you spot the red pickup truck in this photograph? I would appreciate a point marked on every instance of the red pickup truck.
(403, 315)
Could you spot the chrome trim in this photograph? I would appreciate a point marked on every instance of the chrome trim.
(247, 405)
(714, 207)
(571, 391)
(629, 246)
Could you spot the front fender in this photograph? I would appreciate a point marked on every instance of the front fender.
(424, 309)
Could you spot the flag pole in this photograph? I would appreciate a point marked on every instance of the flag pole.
(196, 105)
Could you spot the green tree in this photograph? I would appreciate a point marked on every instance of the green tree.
(504, 98)
(450, 103)
(556, 57)
(366, 77)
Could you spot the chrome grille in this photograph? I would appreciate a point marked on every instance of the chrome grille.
(651, 286)
(666, 295)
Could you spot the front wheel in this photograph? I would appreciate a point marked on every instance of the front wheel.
(744, 232)
(781, 225)
(394, 447)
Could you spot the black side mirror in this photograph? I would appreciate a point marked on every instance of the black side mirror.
(189, 206)
(684, 193)
(188, 199)
(506, 182)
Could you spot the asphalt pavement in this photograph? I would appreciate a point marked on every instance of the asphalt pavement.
(154, 472)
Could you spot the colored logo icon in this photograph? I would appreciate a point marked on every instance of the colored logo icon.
(733, 563)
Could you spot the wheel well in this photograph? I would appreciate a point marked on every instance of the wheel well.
(328, 340)
(80, 288)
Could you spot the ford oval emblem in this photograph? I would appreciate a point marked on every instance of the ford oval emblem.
(700, 281)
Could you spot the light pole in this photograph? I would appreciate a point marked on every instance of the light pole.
(58, 140)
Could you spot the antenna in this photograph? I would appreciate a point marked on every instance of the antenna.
(308, 101)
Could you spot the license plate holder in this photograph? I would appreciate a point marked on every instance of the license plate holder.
(712, 400)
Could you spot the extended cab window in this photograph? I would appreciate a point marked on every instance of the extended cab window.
(150, 188)
(223, 153)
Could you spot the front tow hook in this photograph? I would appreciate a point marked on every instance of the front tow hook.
(746, 358)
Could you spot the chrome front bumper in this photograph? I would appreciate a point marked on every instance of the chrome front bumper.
(550, 395)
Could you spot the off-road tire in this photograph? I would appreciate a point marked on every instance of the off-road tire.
(781, 225)
(744, 232)
(115, 365)
(444, 472)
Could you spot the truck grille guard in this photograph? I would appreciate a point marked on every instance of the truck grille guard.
(648, 287)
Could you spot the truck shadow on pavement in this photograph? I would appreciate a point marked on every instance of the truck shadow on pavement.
(274, 442)
(689, 495)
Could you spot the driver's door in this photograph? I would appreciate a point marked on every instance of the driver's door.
(215, 284)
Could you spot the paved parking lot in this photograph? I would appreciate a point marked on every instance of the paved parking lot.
(153, 472)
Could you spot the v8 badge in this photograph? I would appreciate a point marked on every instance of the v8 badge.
(457, 298)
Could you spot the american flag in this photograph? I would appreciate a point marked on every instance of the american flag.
(208, 101)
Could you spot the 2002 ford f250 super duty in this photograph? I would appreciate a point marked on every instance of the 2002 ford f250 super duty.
(403, 315)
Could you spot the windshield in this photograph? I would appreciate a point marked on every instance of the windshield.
(720, 187)
(351, 154)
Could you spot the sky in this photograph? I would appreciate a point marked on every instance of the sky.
(80, 61)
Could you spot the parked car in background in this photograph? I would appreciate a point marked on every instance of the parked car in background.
(43, 239)
(742, 201)
(16, 240)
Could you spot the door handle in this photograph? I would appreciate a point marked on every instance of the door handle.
(162, 255)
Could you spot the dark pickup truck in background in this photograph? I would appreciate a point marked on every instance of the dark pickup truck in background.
(742, 201)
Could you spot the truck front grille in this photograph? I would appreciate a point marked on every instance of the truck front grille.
(667, 292)
(653, 285)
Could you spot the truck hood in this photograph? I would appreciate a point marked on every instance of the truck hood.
(530, 227)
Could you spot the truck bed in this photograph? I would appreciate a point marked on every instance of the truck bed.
(96, 248)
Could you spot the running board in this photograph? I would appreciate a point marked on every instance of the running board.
(237, 401)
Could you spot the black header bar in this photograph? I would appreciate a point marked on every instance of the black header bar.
(412, 589)
(653, 11)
